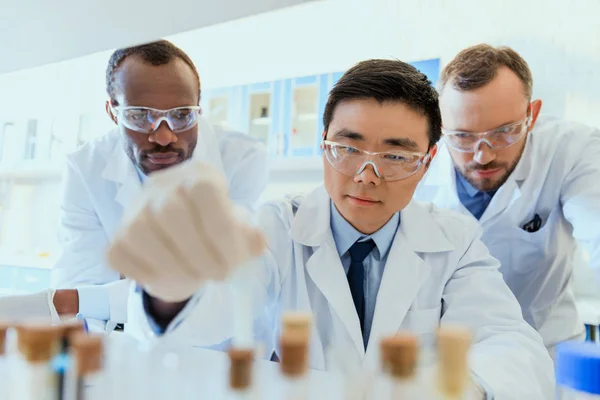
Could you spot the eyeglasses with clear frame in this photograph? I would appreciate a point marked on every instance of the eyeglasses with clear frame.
(390, 166)
(147, 119)
(498, 138)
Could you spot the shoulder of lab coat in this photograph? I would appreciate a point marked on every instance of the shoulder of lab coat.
(242, 160)
(80, 231)
(580, 192)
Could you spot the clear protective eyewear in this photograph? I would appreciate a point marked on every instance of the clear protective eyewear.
(499, 138)
(390, 166)
(147, 120)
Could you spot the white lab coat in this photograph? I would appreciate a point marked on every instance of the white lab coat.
(558, 178)
(101, 181)
(437, 271)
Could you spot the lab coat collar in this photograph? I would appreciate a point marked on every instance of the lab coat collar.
(404, 274)
(312, 227)
(121, 170)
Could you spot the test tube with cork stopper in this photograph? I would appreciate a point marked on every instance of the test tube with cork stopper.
(296, 322)
(88, 354)
(4, 327)
(294, 365)
(453, 345)
(399, 357)
(37, 344)
(240, 372)
(4, 366)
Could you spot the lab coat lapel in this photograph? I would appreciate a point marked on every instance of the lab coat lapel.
(311, 227)
(404, 274)
(325, 269)
(120, 170)
(439, 183)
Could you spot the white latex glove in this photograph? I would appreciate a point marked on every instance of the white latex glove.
(29, 306)
(181, 232)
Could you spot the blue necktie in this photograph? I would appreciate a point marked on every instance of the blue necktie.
(356, 276)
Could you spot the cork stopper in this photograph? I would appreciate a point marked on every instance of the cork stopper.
(296, 322)
(294, 354)
(37, 342)
(70, 328)
(240, 368)
(3, 329)
(453, 345)
(88, 353)
(399, 355)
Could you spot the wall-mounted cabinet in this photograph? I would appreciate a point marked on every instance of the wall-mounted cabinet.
(286, 114)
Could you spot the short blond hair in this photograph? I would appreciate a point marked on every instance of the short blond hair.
(476, 66)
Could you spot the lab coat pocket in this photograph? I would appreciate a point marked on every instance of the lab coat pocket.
(529, 248)
(424, 324)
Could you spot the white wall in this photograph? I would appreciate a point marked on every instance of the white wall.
(560, 40)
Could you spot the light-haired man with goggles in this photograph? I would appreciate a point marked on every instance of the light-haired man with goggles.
(532, 183)
(154, 97)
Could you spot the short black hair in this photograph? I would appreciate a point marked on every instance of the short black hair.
(388, 81)
(160, 52)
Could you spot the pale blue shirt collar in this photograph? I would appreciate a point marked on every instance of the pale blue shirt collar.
(141, 175)
(345, 235)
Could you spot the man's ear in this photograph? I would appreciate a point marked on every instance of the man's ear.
(536, 107)
(108, 108)
(432, 154)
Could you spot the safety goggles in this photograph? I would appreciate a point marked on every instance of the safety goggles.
(147, 120)
(390, 166)
(499, 138)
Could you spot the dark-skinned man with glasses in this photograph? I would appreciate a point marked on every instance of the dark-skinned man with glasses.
(154, 96)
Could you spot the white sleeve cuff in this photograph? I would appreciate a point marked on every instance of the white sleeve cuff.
(94, 302)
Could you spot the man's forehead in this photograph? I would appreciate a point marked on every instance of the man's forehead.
(501, 101)
(136, 80)
(380, 122)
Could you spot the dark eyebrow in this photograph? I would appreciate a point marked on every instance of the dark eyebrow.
(348, 134)
(405, 143)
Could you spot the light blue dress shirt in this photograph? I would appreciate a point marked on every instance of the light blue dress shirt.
(345, 235)
(141, 175)
(472, 198)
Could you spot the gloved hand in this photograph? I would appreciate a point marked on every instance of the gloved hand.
(29, 306)
(181, 232)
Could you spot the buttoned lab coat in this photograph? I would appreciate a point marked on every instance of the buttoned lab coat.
(101, 181)
(438, 271)
(558, 179)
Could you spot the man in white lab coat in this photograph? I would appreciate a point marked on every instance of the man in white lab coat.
(154, 94)
(357, 253)
(531, 182)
